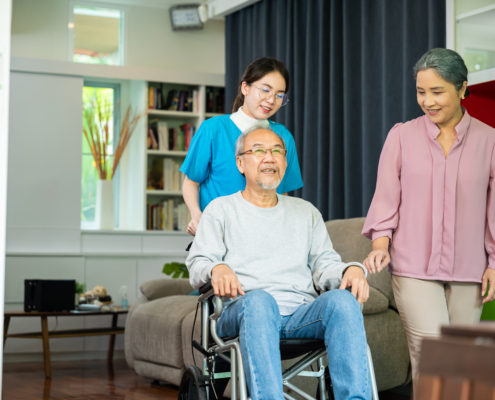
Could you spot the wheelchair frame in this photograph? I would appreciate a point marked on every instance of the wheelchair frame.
(239, 385)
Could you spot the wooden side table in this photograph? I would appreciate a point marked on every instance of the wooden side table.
(45, 334)
(460, 365)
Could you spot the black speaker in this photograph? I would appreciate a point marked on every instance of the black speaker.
(49, 295)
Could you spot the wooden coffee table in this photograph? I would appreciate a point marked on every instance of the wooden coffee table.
(45, 334)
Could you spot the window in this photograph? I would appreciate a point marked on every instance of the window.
(96, 35)
(107, 95)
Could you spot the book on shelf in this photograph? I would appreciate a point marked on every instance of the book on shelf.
(161, 137)
(215, 98)
(169, 215)
(176, 100)
(165, 174)
(153, 139)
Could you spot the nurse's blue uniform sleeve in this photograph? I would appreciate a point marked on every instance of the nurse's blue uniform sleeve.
(292, 179)
(198, 161)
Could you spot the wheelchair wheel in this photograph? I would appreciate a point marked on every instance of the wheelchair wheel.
(191, 387)
(328, 386)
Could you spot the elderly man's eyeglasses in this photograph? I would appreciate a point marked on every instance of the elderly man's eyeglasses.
(261, 152)
(265, 94)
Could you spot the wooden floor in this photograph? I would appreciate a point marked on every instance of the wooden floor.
(90, 380)
(82, 380)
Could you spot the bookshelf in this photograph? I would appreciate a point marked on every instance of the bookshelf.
(167, 134)
(174, 114)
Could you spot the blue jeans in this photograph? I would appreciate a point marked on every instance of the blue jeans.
(334, 317)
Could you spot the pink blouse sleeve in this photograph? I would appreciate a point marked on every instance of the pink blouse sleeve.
(490, 217)
(383, 215)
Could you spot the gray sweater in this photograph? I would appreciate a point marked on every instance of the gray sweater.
(282, 250)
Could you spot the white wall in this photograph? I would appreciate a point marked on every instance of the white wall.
(40, 30)
(44, 181)
(5, 19)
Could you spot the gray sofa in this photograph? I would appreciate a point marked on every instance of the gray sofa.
(159, 324)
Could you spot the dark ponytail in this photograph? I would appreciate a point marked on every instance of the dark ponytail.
(257, 70)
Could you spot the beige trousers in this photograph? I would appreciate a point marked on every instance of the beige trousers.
(426, 305)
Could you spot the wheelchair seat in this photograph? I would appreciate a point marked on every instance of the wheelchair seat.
(293, 348)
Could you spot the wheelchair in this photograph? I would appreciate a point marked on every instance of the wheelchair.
(222, 360)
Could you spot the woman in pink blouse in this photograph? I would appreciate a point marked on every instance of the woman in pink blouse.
(434, 206)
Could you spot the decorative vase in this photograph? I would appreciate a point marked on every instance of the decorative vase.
(104, 205)
(76, 300)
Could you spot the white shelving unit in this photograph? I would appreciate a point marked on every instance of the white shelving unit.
(174, 114)
(172, 193)
(472, 34)
(174, 119)
(211, 115)
(134, 192)
(168, 153)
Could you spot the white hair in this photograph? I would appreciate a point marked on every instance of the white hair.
(239, 144)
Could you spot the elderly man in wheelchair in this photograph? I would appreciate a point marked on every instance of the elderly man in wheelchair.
(262, 255)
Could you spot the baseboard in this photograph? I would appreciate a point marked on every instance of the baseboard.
(62, 356)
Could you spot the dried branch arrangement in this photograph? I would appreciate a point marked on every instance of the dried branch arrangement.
(128, 125)
(97, 118)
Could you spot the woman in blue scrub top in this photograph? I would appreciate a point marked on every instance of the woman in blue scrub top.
(210, 166)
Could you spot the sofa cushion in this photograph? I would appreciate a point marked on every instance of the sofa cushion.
(156, 329)
(187, 325)
(159, 288)
(376, 303)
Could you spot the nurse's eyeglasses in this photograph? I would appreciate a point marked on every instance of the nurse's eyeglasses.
(265, 94)
(261, 152)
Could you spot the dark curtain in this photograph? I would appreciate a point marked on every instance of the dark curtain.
(351, 80)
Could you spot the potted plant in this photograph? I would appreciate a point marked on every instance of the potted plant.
(175, 270)
(80, 289)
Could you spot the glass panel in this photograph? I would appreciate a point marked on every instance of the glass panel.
(97, 36)
(88, 201)
(95, 98)
(475, 38)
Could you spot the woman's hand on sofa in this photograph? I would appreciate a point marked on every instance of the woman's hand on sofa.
(379, 258)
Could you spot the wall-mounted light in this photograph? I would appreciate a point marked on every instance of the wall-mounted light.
(71, 25)
(203, 12)
(185, 17)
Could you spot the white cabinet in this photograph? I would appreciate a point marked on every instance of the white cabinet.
(475, 33)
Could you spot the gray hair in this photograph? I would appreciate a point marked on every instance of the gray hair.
(239, 144)
(446, 63)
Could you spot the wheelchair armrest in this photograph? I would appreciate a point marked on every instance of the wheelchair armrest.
(205, 292)
(205, 288)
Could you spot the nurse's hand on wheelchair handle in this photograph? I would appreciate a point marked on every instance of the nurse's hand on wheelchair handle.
(193, 225)
(354, 277)
(225, 282)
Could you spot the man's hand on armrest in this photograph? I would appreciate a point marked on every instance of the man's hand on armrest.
(225, 282)
(354, 276)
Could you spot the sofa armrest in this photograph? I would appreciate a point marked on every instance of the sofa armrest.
(159, 288)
